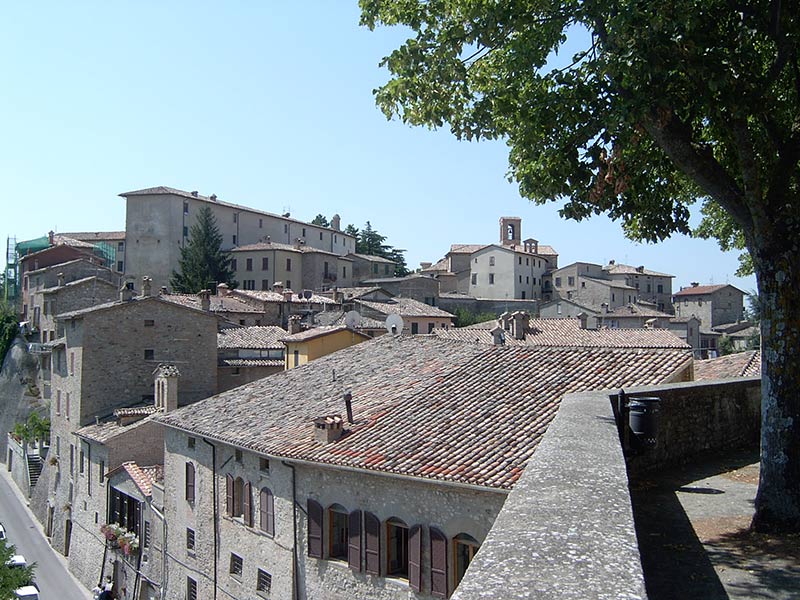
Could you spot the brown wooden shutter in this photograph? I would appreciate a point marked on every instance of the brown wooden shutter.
(314, 529)
(415, 558)
(354, 540)
(262, 509)
(438, 563)
(248, 504)
(372, 543)
(270, 513)
(189, 482)
(229, 495)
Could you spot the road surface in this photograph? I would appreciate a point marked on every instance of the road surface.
(25, 532)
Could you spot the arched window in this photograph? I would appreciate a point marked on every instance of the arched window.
(396, 548)
(338, 532)
(464, 548)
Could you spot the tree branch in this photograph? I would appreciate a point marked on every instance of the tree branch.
(747, 161)
(697, 162)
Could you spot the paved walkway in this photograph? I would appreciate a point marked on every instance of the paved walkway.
(692, 525)
(25, 532)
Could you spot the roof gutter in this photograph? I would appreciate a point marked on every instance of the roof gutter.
(318, 464)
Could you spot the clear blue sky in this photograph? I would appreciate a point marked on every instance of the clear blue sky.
(266, 104)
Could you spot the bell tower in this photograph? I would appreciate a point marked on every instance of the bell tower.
(510, 231)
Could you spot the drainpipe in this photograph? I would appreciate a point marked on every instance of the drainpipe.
(216, 515)
(161, 516)
(295, 583)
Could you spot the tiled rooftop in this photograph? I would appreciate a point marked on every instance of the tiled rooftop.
(105, 431)
(60, 266)
(301, 248)
(267, 296)
(699, 289)
(218, 304)
(618, 268)
(568, 333)
(96, 236)
(310, 334)
(380, 280)
(337, 317)
(77, 282)
(135, 411)
(256, 337)
(371, 258)
(358, 291)
(143, 477)
(405, 307)
(639, 310)
(466, 248)
(250, 362)
(740, 364)
(115, 303)
(423, 406)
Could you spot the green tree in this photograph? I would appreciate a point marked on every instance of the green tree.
(371, 242)
(353, 231)
(466, 317)
(668, 103)
(9, 327)
(203, 263)
(321, 221)
(12, 578)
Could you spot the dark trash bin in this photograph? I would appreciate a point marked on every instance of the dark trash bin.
(643, 419)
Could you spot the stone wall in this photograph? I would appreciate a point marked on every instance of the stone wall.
(698, 417)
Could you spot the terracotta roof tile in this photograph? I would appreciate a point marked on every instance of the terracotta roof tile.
(423, 406)
(218, 304)
(255, 337)
(741, 364)
(310, 334)
(693, 290)
(405, 307)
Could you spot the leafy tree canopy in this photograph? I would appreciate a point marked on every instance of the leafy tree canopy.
(369, 241)
(203, 263)
(321, 220)
(12, 578)
(668, 103)
(9, 327)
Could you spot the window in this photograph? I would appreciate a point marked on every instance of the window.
(233, 237)
(583, 284)
(464, 549)
(474, 279)
(527, 261)
(120, 266)
(304, 232)
(185, 231)
(68, 406)
(261, 223)
(372, 543)
(82, 464)
(72, 363)
(414, 328)
(263, 465)
(314, 529)
(396, 548)
(320, 235)
(266, 520)
(58, 402)
(120, 246)
(570, 281)
(236, 566)
(288, 264)
(125, 510)
(190, 442)
(430, 327)
(235, 218)
(558, 281)
(191, 589)
(520, 278)
(285, 228)
(189, 487)
(263, 581)
(338, 533)
(237, 455)
(190, 539)
(385, 269)
(491, 261)
(660, 288)
(234, 496)
(265, 285)
(146, 536)
(71, 458)
(149, 323)
(375, 269)
(288, 284)
(265, 263)
(186, 208)
(491, 278)
(344, 271)
(249, 264)
(296, 358)
(101, 471)
(149, 354)
(233, 264)
(249, 284)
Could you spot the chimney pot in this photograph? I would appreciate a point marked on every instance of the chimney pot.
(695, 284)
(195, 193)
(584, 319)
(223, 290)
(348, 404)
(213, 197)
(147, 287)
(498, 336)
(336, 223)
(294, 324)
(205, 300)
(51, 236)
(164, 290)
(328, 429)
(287, 295)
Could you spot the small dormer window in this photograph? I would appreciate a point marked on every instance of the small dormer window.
(191, 442)
(237, 455)
(491, 261)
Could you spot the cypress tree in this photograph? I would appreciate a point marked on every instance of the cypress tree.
(203, 262)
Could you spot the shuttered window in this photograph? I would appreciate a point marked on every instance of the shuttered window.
(354, 540)
(314, 529)
(267, 511)
(372, 543)
(247, 505)
(189, 482)
(415, 558)
(438, 563)
(229, 495)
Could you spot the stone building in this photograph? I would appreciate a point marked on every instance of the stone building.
(713, 304)
(226, 307)
(512, 269)
(587, 284)
(417, 287)
(304, 346)
(652, 286)
(104, 362)
(246, 354)
(343, 480)
(298, 266)
(158, 221)
(281, 303)
(367, 266)
(109, 244)
(65, 297)
(418, 317)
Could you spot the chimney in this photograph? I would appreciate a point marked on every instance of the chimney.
(604, 307)
(338, 296)
(213, 197)
(223, 290)
(328, 429)
(287, 295)
(651, 323)
(348, 405)
(694, 284)
(60, 277)
(194, 194)
(166, 387)
(126, 292)
(498, 336)
(294, 324)
(336, 223)
(584, 319)
(297, 242)
(505, 321)
(51, 236)
(612, 262)
(425, 265)
(517, 325)
(640, 269)
(278, 287)
(205, 300)
(147, 287)
(164, 290)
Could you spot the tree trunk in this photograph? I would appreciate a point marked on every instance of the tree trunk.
(777, 265)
